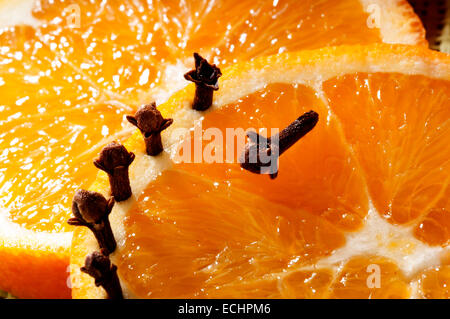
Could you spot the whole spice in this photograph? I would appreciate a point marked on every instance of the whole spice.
(91, 209)
(151, 123)
(99, 267)
(114, 159)
(206, 78)
(261, 154)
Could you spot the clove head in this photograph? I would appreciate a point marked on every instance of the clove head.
(112, 156)
(90, 207)
(151, 123)
(260, 156)
(149, 120)
(97, 265)
(205, 74)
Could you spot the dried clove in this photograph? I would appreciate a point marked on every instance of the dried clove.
(99, 267)
(206, 78)
(114, 159)
(151, 123)
(261, 154)
(91, 209)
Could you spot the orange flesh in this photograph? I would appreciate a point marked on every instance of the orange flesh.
(65, 90)
(229, 31)
(399, 128)
(215, 230)
(52, 125)
(434, 228)
(236, 239)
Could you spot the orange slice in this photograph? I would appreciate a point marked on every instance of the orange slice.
(67, 82)
(321, 229)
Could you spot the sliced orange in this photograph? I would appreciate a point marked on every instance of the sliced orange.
(67, 81)
(335, 215)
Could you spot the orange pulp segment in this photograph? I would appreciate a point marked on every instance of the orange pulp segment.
(398, 127)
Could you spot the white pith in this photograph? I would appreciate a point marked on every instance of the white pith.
(16, 12)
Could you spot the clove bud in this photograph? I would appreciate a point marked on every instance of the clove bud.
(99, 267)
(151, 123)
(206, 78)
(261, 154)
(91, 209)
(114, 159)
